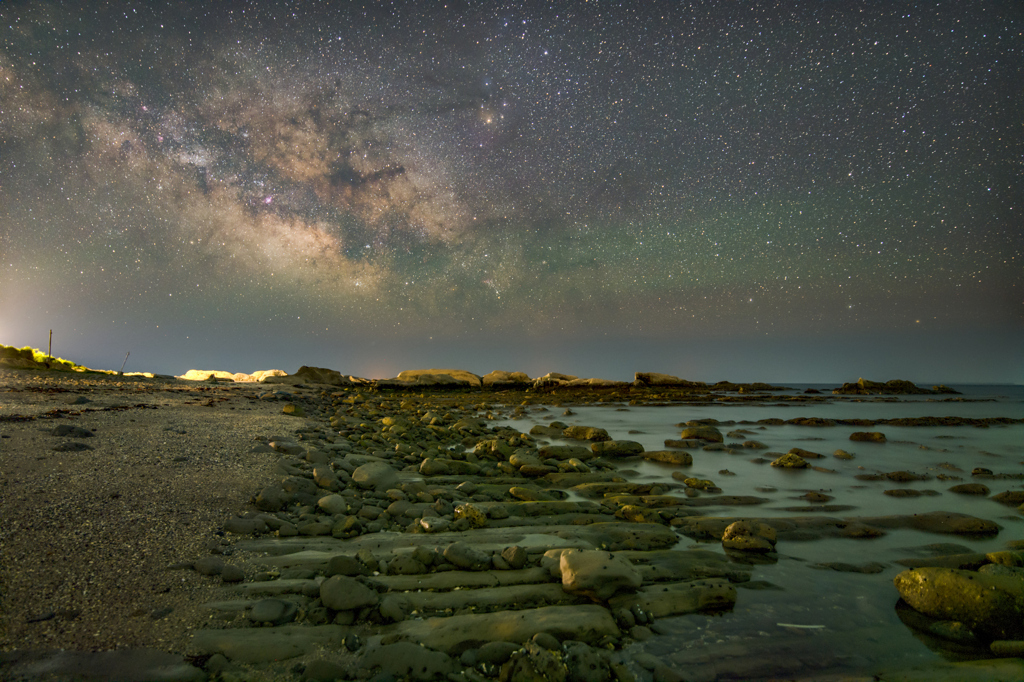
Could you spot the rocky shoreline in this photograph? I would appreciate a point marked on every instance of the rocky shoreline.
(394, 533)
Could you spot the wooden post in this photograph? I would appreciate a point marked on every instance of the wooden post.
(121, 371)
(49, 347)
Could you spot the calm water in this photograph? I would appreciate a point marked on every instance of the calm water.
(848, 620)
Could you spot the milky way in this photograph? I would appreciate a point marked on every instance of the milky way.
(326, 177)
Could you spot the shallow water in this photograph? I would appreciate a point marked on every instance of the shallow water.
(822, 621)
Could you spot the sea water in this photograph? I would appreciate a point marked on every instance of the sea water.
(810, 621)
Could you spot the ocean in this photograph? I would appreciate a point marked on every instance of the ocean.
(803, 620)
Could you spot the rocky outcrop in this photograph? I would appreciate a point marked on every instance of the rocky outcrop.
(498, 380)
(892, 387)
(654, 379)
(431, 378)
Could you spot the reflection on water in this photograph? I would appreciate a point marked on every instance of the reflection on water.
(805, 620)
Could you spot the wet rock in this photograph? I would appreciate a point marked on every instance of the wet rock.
(324, 671)
(496, 653)
(1010, 498)
(591, 433)
(534, 663)
(565, 452)
(342, 593)
(232, 574)
(790, 461)
(842, 454)
(673, 599)
(467, 557)
(669, 457)
(596, 574)
(868, 436)
(273, 611)
(970, 489)
(406, 564)
(375, 475)
(474, 514)
(516, 556)
(617, 448)
(209, 565)
(333, 504)
(806, 454)
(240, 526)
(991, 606)
(456, 634)
(261, 645)
(705, 433)
(868, 568)
(749, 536)
(406, 660)
(325, 478)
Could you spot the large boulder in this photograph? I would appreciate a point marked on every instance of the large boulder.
(992, 606)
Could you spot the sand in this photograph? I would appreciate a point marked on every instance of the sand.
(87, 537)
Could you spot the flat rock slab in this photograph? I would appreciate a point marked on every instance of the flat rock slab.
(262, 645)
(508, 597)
(535, 539)
(295, 585)
(587, 623)
(684, 565)
(451, 580)
(121, 665)
(674, 599)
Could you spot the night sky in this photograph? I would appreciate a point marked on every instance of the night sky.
(789, 191)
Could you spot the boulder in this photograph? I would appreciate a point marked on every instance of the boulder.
(597, 574)
(565, 452)
(467, 557)
(342, 593)
(868, 436)
(591, 433)
(669, 457)
(617, 448)
(749, 536)
(791, 461)
(992, 606)
(706, 433)
(376, 475)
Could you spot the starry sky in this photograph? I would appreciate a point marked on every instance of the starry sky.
(780, 191)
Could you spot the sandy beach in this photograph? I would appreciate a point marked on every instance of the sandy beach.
(88, 535)
(198, 530)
